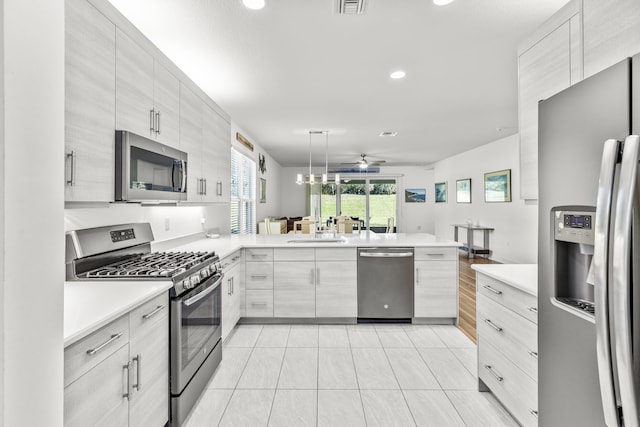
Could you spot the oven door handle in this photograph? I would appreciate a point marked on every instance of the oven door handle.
(197, 297)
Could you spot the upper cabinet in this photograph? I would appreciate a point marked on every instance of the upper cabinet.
(90, 61)
(547, 63)
(147, 95)
(116, 79)
(610, 32)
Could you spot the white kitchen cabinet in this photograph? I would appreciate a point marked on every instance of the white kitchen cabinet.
(166, 105)
(336, 282)
(294, 282)
(258, 282)
(148, 349)
(118, 375)
(610, 33)
(550, 61)
(232, 292)
(191, 141)
(216, 156)
(508, 346)
(90, 61)
(435, 289)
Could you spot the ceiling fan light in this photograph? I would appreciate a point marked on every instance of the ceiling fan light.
(254, 4)
(363, 165)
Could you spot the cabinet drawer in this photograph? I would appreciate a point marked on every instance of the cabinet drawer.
(231, 260)
(259, 275)
(521, 302)
(427, 254)
(336, 254)
(511, 386)
(76, 359)
(293, 254)
(259, 254)
(149, 313)
(259, 303)
(507, 340)
(513, 328)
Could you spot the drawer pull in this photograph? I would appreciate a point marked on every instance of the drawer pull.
(114, 337)
(493, 325)
(258, 276)
(258, 304)
(492, 372)
(533, 412)
(533, 354)
(154, 312)
(258, 255)
(489, 288)
(533, 309)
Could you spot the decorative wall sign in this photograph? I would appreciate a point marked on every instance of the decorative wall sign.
(497, 186)
(263, 190)
(463, 190)
(262, 163)
(415, 195)
(244, 141)
(441, 192)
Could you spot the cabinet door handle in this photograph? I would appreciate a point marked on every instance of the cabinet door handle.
(317, 276)
(72, 168)
(492, 372)
(219, 188)
(127, 372)
(205, 186)
(533, 412)
(313, 276)
(493, 325)
(114, 337)
(489, 288)
(417, 275)
(138, 366)
(157, 310)
(533, 354)
(533, 309)
(158, 122)
(233, 285)
(152, 116)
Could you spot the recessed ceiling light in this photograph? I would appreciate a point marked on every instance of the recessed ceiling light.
(254, 4)
(398, 74)
(442, 2)
(388, 133)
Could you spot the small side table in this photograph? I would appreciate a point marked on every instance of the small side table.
(470, 248)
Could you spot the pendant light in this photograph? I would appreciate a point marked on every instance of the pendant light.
(325, 176)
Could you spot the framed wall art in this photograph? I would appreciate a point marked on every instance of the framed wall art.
(263, 190)
(415, 195)
(463, 190)
(497, 186)
(441, 192)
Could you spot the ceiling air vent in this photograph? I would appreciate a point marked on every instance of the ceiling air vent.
(351, 7)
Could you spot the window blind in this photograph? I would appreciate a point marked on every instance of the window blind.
(243, 191)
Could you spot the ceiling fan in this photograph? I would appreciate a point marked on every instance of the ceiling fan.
(363, 163)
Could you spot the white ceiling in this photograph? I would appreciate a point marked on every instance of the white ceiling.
(297, 66)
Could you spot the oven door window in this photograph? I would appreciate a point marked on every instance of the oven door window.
(153, 171)
(199, 323)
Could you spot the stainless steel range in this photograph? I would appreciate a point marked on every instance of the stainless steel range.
(123, 252)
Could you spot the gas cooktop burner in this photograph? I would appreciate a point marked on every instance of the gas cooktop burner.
(158, 264)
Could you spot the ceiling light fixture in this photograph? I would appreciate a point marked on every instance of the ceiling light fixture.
(442, 2)
(254, 4)
(399, 74)
(325, 176)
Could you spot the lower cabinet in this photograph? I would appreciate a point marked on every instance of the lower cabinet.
(336, 282)
(118, 375)
(436, 283)
(232, 292)
(294, 283)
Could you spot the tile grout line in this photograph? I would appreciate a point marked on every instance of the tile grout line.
(364, 414)
(318, 379)
(275, 391)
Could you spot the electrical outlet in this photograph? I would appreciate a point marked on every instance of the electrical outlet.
(167, 224)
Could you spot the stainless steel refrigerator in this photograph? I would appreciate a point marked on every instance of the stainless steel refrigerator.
(588, 253)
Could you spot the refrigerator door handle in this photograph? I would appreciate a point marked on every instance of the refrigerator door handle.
(601, 280)
(627, 200)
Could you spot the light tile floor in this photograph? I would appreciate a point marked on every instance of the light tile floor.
(347, 375)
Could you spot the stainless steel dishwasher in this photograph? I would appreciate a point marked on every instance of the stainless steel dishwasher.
(385, 283)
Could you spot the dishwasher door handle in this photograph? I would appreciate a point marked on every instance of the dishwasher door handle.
(386, 254)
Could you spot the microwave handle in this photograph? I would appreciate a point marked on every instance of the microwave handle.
(183, 174)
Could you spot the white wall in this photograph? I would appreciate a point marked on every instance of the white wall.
(514, 239)
(273, 174)
(32, 210)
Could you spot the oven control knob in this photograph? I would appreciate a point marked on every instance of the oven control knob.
(195, 279)
(186, 283)
(204, 273)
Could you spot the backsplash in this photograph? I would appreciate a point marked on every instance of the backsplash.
(181, 220)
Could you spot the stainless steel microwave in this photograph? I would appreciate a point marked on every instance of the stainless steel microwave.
(148, 171)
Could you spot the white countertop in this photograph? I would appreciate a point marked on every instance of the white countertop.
(226, 245)
(521, 276)
(89, 305)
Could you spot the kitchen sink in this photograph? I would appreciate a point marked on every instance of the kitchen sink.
(318, 240)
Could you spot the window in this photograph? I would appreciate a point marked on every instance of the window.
(243, 194)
